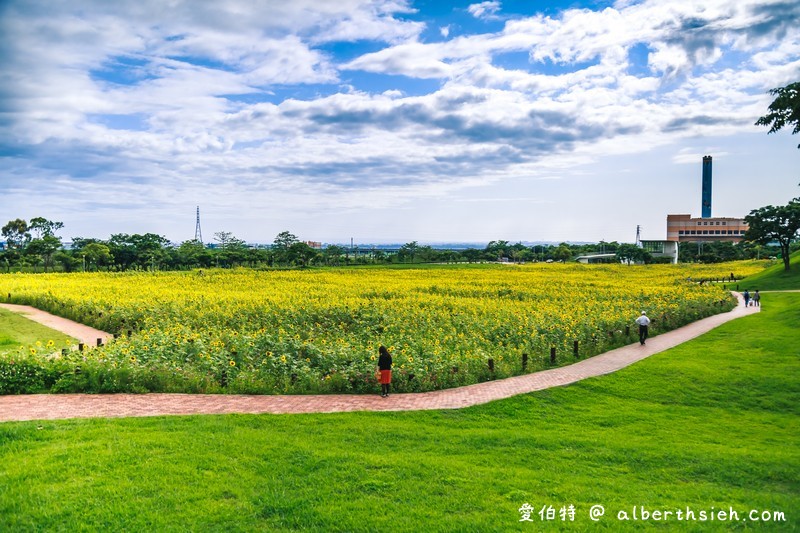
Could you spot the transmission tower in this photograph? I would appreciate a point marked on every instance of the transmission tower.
(198, 234)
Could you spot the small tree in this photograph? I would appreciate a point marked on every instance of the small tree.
(775, 224)
(562, 252)
(630, 253)
(96, 254)
(16, 234)
(785, 109)
(281, 245)
(409, 249)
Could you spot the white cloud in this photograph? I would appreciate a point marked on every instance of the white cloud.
(194, 76)
(484, 10)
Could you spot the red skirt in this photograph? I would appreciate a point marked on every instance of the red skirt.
(386, 377)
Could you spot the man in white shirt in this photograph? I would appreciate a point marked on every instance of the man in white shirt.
(643, 322)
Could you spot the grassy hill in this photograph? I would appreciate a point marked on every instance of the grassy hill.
(708, 426)
(775, 278)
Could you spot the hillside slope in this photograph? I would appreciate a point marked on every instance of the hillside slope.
(775, 278)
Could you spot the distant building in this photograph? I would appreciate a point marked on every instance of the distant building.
(662, 249)
(684, 228)
(314, 244)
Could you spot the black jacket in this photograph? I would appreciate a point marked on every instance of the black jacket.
(385, 362)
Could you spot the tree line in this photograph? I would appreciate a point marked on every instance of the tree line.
(36, 246)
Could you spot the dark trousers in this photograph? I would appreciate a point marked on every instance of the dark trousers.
(642, 334)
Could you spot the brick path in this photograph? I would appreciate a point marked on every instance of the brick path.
(46, 406)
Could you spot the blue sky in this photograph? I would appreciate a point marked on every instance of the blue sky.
(391, 120)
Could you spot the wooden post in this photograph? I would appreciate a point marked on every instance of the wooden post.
(491, 364)
(99, 342)
(524, 361)
(575, 348)
(80, 346)
(553, 354)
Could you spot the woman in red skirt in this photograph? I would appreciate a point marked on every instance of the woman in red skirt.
(385, 369)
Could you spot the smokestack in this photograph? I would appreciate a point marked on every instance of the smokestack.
(706, 187)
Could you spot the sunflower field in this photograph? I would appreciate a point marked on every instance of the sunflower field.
(318, 331)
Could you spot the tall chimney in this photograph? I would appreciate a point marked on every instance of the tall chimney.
(706, 186)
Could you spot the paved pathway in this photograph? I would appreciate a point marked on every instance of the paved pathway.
(81, 332)
(47, 406)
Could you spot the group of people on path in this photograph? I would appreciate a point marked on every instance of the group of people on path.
(751, 300)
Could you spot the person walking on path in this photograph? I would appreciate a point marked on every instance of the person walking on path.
(643, 322)
(746, 296)
(757, 299)
(385, 370)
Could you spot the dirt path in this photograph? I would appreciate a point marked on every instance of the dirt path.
(46, 406)
(83, 333)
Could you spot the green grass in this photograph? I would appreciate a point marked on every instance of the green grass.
(710, 424)
(16, 331)
(775, 278)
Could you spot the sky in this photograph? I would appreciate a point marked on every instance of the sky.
(388, 121)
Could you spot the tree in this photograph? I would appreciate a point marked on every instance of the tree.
(775, 224)
(149, 249)
(562, 253)
(193, 253)
(496, 250)
(409, 249)
(96, 254)
(16, 234)
(43, 227)
(333, 254)
(280, 246)
(44, 248)
(302, 253)
(284, 240)
(785, 109)
(631, 253)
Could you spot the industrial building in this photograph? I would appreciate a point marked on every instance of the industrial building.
(684, 228)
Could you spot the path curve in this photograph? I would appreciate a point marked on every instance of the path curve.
(81, 332)
(48, 406)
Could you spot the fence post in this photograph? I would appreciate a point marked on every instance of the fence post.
(99, 342)
(575, 348)
(80, 346)
(491, 364)
(553, 354)
(524, 361)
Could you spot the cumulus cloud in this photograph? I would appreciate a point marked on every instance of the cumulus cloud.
(248, 98)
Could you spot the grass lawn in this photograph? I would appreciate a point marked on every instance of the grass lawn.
(710, 425)
(16, 331)
(775, 278)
